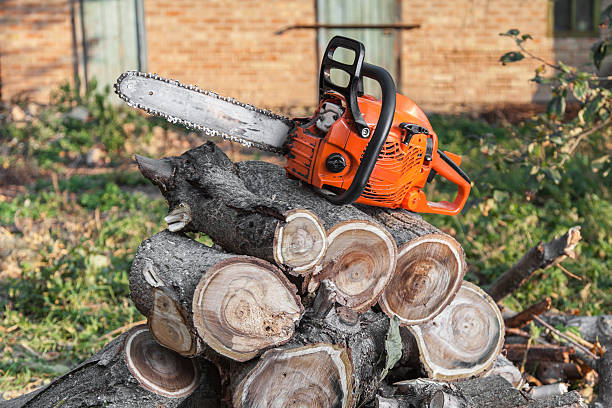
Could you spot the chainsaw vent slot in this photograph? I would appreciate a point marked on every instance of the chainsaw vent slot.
(397, 167)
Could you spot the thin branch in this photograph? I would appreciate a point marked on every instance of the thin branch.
(564, 336)
(557, 67)
(585, 134)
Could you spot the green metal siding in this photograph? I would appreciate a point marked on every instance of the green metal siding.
(380, 45)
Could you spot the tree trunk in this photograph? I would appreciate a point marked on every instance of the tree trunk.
(541, 256)
(361, 254)
(430, 267)
(205, 194)
(465, 339)
(131, 371)
(195, 296)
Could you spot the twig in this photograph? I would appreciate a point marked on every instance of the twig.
(524, 361)
(122, 329)
(564, 336)
(584, 134)
(568, 273)
(557, 67)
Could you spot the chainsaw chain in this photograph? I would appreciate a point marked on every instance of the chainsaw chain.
(206, 130)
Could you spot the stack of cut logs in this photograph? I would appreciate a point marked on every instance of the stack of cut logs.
(292, 305)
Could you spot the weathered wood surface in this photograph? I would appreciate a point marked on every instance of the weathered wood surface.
(195, 296)
(430, 267)
(464, 339)
(315, 375)
(205, 194)
(541, 256)
(106, 380)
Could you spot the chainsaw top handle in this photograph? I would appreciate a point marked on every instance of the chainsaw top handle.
(350, 92)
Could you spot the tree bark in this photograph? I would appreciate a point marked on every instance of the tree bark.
(465, 339)
(541, 256)
(430, 267)
(361, 254)
(195, 296)
(130, 371)
(204, 194)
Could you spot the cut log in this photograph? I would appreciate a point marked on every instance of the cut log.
(541, 256)
(361, 254)
(317, 375)
(526, 316)
(362, 342)
(244, 305)
(359, 263)
(516, 353)
(204, 194)
(465, 339)
(237, 305)
(430, 267)
(131, 371)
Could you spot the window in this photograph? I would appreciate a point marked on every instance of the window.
(575, 18)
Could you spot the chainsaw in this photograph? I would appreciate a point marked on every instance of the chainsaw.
(354, 148)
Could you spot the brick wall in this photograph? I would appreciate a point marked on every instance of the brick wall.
(35, 47)
(229, 46)
(449, 64)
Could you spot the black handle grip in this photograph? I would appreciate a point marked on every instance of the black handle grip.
(378, 139)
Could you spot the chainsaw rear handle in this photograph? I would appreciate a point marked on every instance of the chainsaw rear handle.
(447, 168)
(370, 156)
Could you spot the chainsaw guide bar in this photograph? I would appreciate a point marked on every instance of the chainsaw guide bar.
(204, 110)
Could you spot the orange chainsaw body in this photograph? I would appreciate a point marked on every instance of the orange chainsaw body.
(402, 167)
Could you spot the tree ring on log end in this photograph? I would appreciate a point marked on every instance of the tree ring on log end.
(167, 325)
(464, 339)
(359, 262)
(243, 305)
(157, 368)
(318, 375)
(300, 242)
(428, 274)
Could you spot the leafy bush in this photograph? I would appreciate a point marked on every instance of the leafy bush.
(71, 125)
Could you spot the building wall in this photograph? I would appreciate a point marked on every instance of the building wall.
(450, 64)
(229, 46)
(36, 51)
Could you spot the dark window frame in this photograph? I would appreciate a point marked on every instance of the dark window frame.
(572, 32)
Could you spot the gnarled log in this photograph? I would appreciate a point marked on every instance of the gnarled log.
(430, 267)
(189, 292)
(131, 371)
(361, 254)
(465, 339)
(205, 194)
